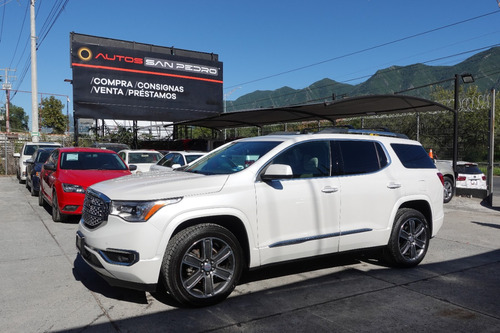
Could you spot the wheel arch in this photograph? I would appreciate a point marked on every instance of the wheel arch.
(423, 207)
(230, 222)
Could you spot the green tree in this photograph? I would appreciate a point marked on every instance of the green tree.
(473, 128)
(18, 120)
(50, 113)
(122, 135)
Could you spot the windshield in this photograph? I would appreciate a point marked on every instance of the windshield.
(42, 156)
(30, 149)
(232, 158)
(135, 158)
(91, 161)
(469, 169)
(191, 158)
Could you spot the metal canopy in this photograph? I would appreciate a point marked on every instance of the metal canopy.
(369, 105)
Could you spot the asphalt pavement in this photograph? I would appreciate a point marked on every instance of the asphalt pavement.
(46, 287)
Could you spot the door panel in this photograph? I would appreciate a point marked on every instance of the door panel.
(299, 217)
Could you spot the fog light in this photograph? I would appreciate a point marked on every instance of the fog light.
(119, 257)
(70, 208)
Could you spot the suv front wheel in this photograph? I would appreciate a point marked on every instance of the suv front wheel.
(202, 264)
(409, 239)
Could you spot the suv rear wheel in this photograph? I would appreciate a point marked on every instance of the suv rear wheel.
(202, 265)
(409, 239)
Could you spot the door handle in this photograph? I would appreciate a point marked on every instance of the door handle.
(329, 189)
(393, 185)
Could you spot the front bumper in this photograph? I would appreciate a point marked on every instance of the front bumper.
(70, 202)
(124, 254)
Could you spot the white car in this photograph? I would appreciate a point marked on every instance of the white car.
(259, 201)
(26, 153)
(469, 176)
(143, 159)
(446, 168)
(175, 159)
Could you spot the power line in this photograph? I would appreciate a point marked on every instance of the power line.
(20, 34)
(364, 50)
(54, 14)
(52, 17)
(368, 76)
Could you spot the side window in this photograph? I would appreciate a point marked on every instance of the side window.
(30, 149)
(53, 157)
(307, 160)
(170, 160)
(359, 157)
(382, 157)
(413, 156)
(178, 160)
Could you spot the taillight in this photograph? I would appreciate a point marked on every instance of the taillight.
(484, 177)
(461, 178)
(441, 178)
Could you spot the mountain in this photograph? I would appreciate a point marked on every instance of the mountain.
(484, 66)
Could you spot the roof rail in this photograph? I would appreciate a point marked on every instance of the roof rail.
(285, 133)
(342, 130)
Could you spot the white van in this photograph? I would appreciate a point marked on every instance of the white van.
(26, 153)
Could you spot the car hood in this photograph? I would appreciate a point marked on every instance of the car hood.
(86, 178)
(160, 185)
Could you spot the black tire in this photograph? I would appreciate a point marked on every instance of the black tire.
(409, 239)
(57, 216)
(449, 189)
(197, 278)
(33, 191)
(41, 201)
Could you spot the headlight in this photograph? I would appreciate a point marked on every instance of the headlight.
(139, 211)
(73, 188)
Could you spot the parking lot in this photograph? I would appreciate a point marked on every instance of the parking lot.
(46, 287)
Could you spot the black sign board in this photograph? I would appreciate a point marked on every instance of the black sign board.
(115, 79)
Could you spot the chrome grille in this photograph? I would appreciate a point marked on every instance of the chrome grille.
(95, 209)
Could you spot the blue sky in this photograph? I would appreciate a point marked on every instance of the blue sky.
(264, 45)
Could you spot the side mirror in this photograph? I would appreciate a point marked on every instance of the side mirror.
(28, 161)
(176, 166)
(277, 171)
(16, 155)
(132, 167)
(49, 166)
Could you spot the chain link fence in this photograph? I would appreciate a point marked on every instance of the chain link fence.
(11, 143)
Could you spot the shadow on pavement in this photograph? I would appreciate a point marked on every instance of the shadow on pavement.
(333, 298)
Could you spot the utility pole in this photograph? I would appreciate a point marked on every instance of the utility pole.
(34, 84)
(7, 86)
(491, 150)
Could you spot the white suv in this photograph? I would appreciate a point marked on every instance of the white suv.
(26, 153)
(258, 201)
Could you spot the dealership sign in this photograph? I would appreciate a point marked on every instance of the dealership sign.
(114, 79)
